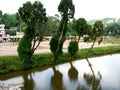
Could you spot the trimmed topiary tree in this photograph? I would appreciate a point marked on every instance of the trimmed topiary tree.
(73, 48)
(24, 51)
(66, 8)
(34, 16)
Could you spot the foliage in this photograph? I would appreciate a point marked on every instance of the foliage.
(34, 17)
(54, 42)
(73, 48)
(10, 20)
(0, 14)
(80, 25)
(25, 52)
(112, 29)
(52, 26)
(97, 28)
(11, 32)
(95, 34)
(13, 63)
(111, 26)
(70, 29)
(66, 8)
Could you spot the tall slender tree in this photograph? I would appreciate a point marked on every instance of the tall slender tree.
(95, 34)
(67, 9)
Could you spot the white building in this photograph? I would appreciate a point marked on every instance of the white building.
(19, 35)
(3, 36)
(2, 30)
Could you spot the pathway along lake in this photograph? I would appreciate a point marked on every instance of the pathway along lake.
(76, 75)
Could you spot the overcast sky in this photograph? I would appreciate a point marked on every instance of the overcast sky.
(89, 9)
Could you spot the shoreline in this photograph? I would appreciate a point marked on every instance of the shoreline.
(13, 64)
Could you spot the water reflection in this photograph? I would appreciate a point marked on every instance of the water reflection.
(92, 80)
(56, 80)
(28, 81)
(75, 75)
(72, 72)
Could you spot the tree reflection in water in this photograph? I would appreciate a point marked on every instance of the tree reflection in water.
(56, 80)
(73, 73)
(92, 80)
(28, 81)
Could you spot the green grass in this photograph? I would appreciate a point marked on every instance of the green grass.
(9, 63)
(12, 63)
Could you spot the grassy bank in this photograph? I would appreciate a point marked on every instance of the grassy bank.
(12, 63)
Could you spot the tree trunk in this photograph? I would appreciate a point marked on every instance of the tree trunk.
(61, 34)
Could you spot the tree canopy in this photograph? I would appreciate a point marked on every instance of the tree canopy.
(80, 25)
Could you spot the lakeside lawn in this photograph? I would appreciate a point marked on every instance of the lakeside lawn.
(12, 63)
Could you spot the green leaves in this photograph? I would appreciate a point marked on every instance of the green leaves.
(73, 48)
(34, 17)
(66, 7)
(10, 20)
(33, 13)
(112, 29)
(98, 28)
(80, 26)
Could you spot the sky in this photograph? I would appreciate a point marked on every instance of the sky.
(88, 9)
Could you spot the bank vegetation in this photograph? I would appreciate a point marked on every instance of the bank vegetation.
(13, 63)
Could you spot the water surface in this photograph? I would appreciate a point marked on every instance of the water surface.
(76, 75)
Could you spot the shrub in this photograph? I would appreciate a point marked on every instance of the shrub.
(54, 46)
(25, 52)
(73, 48)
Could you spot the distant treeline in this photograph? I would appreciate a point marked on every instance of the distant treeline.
(111, 25)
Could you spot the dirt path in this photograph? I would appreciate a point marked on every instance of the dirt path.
(9, 48)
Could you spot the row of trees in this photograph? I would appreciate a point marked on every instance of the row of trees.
(52, 25)
(13, 20)
(112, 29)
(33, 15)
(10, 20)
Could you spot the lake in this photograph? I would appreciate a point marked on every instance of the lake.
(104, 74)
